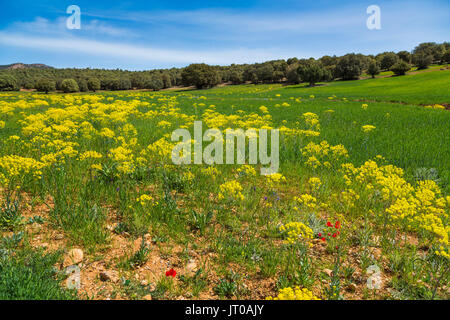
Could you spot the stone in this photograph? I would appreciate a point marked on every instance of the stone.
(191, 267)
(74, 256)
(328, 272)
(59, 236)
(351, 287)
(109, 276)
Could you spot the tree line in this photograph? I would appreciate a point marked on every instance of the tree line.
(327, 68)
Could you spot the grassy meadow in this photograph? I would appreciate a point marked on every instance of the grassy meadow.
(359, 208)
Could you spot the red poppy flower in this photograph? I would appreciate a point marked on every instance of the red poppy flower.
(329, 224)
(334, 235)
(171, 273)
(337, 225)
(320, 234)
(323, 239)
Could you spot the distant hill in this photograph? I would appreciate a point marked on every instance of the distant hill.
(20, 65)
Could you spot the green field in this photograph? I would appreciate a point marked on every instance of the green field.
(93, 172)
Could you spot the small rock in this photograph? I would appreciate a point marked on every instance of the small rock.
(351, 287)
(109, 276)
(147, 297)
(328, 272)
(59, 236)
(191, 267)
(74, 256)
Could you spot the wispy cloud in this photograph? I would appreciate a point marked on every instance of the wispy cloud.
(42, 26)
(141, 53)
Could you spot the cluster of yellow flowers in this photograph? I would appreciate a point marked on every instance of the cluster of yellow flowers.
(421, 207)
(231, 190)
(14, 167)
(274, 179)
(246, 170)
(436, 106)
(146, 201)
(307, 201)
(368, 128)
(314, 183)
(294, 294)
(295, 231)
(323, 154)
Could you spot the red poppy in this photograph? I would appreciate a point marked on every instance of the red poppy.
(329, 224)
(171, 273)
(320, 234)
(337, 225)
(323, 239)
(334, 235)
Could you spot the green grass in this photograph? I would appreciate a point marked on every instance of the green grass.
(243, 237)
(27, 274)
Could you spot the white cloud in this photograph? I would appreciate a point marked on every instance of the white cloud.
(42, 26)
(140, 53)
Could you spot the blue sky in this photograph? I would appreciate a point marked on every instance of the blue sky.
(138, 35)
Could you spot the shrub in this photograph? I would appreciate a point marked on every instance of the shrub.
(69, 85)
(400, 68)
(45, 85)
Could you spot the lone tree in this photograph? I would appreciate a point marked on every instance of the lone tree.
(69, 85)
(200, 75)
(313, 72)
(93, 84)
(8, 83)
(45, 85)
(374, 68)
(400, 68)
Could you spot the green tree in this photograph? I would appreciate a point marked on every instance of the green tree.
(349, 67)
(8, 83)
(292, 73)
(400, 68)
(200, 75)
(374, 68)
(405, 56)
(422, 60)
(69, 85)
(154, 82)
(236, 76)
(93, 84)
(82, 85)
(45, 85)
(388, 59)
(446, 57)
(312, 72)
